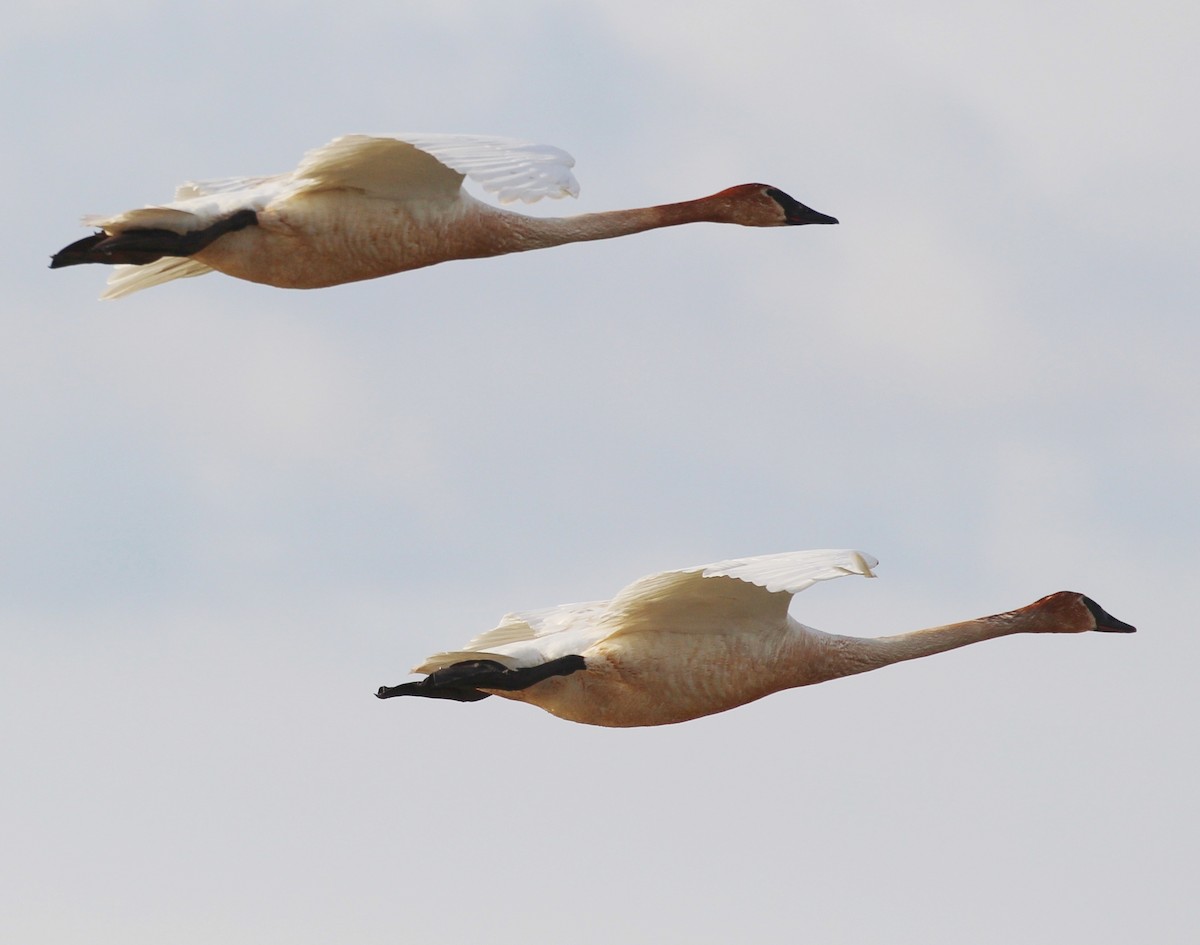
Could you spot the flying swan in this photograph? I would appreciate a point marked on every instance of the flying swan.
(683, 644)
(365, 206)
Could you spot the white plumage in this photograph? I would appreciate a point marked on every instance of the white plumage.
(682, 644)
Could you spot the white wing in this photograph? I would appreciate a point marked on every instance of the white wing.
(395, 166)
(412, 165)
(739, 592)
(792, 571)
(230, 185)
(508, 168)
(530, 637)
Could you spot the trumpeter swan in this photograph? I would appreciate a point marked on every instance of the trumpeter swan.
(683, 644)
(365, 206)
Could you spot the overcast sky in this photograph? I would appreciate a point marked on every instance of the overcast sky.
(231, 512)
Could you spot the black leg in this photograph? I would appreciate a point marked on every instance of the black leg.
(512, 680)
(81, 251)
(138, 247)
(462, 681)
(454, 693)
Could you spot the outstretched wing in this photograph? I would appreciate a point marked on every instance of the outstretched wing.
(395, 166)
(792, 571)
(739, 591)
(433, 165)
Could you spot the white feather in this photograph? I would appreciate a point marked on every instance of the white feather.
(400, 166)
(792, 571)
(127, 279)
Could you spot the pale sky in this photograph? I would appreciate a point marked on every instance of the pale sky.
(232, 511)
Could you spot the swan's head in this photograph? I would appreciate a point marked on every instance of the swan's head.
(1070, 612)
(763, 205)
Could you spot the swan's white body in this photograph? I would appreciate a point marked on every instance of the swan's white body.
(683, 644)
(364, 206)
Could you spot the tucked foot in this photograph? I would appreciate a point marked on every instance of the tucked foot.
(457, 694)
(463, 681)
(139, 247)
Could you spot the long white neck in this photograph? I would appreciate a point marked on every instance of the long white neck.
(845, 656)
(514, 232)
